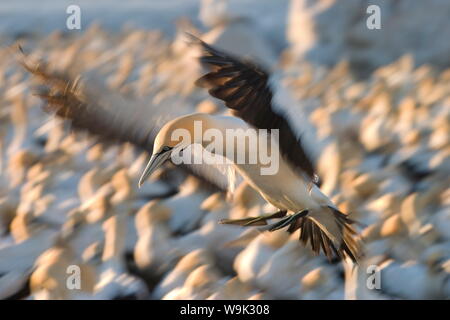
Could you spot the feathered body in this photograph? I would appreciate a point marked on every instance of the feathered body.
(244, 88)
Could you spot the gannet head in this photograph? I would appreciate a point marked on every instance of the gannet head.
(173, 137)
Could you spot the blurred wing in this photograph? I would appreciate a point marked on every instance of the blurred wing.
(89, 105)
(244, 88)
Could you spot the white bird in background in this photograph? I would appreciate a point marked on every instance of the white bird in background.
(244, 87)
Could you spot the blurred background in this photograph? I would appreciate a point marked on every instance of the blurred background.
(370, 88)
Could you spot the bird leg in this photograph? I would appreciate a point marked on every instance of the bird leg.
(254, 221)
(288, 220)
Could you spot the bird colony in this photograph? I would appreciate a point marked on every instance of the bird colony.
(70, 203)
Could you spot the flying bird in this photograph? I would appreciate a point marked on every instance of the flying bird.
(244, 88)
(87, 104)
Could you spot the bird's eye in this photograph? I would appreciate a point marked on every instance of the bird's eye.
(166, 148)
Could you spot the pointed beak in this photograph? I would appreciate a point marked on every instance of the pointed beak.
(154, 163)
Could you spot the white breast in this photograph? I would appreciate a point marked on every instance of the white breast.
(285, 188)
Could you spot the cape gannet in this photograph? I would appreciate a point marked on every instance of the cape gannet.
(244, 87)
(293, 188)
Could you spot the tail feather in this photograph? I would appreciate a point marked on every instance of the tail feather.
(344, 243)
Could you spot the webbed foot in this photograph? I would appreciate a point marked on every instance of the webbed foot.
(254, 221)
(289, 220)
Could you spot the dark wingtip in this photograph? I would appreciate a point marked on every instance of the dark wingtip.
(348, 247)
(21, 49)
(192, 39)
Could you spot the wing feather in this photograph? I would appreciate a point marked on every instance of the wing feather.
(89, 105)
(244, 88)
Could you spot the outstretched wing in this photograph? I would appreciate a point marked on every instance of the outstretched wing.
(89, 105)
(244, 87)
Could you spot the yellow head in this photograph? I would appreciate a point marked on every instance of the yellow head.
(171, 139)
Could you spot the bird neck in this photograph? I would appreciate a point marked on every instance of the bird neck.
(226, 136)
(213, 133)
